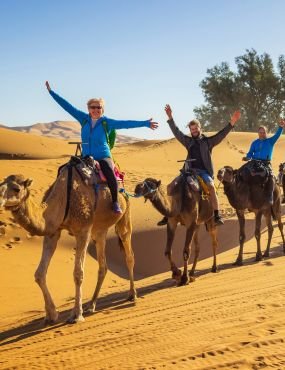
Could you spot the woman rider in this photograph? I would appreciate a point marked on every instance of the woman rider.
(93, 136)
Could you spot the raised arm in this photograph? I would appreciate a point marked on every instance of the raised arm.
(117, 124)
(219, 136)
(182, 138)
(278, 133)
(76, 113)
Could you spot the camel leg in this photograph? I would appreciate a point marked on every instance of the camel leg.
(49, 246)
(257, 235)
(270, 232)
(213, 233)
(124, 231)
(171, 228)
(99, 238)
(280, 226)
(196, 254)
(186, 252)
(82, 242)
(241, 220)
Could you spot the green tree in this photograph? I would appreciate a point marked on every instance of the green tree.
(255, 88)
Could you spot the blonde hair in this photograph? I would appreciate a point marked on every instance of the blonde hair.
(194, 122)
(263, 127)
(96, 100)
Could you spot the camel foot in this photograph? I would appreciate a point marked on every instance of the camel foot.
(238, 262)
(74, 319)
(258, 257)
(184, 280)
(176, 274)
(49, 322)
(51, 319)
(132, 297)
(214, 269)
(266, 254)
(89, 307)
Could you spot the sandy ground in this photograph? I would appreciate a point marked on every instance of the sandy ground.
(230, 320)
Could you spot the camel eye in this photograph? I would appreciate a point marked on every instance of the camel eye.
(16, 190)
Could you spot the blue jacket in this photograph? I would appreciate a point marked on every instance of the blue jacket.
(94, 141)
(263, 149)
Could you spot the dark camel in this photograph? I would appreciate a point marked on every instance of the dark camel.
(242, 197)
(190, 209)
(281, 179)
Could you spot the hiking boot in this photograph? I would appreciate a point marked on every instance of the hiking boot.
(116, 208)
(163, 221)
(218, 220)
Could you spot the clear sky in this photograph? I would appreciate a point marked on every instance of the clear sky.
(138, 55)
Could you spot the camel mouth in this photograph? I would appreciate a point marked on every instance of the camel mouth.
(139, 190)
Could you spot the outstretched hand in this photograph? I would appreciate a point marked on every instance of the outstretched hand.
(153, 125)
(168, 111)
(48, 86)
(235, 117)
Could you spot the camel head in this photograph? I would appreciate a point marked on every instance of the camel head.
(226, 174)
(147, 188)
(13, 191)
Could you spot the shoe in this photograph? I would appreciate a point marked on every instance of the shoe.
(163, 221)
(116, 208)
(218, 220)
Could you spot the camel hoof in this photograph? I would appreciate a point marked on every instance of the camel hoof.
(238, 263)
(266, 254)
(176, 274)
(49, 322)
(75, 319)
(191, 279)
(258, 257)
(89, 308)
(184, 280)
(132, 297)
(214, 269)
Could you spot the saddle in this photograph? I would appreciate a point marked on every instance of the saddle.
(194, 182)
(255, 172)
(89, 170)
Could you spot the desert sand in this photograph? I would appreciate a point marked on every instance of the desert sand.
(233, 319)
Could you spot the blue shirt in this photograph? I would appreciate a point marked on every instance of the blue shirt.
(94, 141)
(263, 149)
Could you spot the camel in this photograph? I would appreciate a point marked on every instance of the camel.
(244, 197)
(281, 179)
(48, 220)
(190, 209)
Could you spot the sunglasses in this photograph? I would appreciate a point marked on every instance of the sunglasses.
(95, 107)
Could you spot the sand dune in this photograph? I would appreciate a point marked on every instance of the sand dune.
(229, 320)
(67, 130)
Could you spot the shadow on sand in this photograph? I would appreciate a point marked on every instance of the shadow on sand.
(149, 248)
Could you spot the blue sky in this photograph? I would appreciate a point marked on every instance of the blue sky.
(138, 55)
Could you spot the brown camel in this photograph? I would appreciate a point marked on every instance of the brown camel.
(48, 220)
(190, 209)
(242, 197)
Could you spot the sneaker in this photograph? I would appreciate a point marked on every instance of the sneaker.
(218, 220)
(117, 208)
(163, 221)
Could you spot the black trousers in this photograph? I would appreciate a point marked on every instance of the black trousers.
(106, 165)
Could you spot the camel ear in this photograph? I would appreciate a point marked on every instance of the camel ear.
(158, 183)
(27, 183)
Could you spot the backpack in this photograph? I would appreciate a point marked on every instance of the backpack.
(110, 136)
